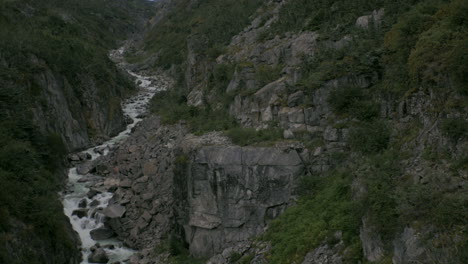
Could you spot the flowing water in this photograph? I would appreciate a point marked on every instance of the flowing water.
(78, 186)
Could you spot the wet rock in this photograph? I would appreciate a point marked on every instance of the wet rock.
(98, 256)
(92, 193)
(84, 156)
(83, 203)
(101, 233)
(80, 213)
(94, 203)
(109, 246)
(85, 168)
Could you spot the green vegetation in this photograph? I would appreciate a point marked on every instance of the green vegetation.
(454, 128)
(249, 136)
(207, 26)
(353, 101)
(178, 251)
(41, 40)
(369, 138)
(172, 107)
(325, 207)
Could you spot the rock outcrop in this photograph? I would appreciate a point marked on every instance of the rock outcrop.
(215, 194)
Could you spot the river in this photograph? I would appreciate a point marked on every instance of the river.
(78, 186)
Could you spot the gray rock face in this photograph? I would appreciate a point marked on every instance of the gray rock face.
(372, 244)
(234, 191)
(76, 116)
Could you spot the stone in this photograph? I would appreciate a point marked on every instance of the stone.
(83, 203)
(296, 99)
(83, 155)
(73, 157)
(372, 245)
(331, 134)
(94, 203)
(114, 211)
(132, 148)
(92, 192)
(126, 183)
(102, 169)
(195, 98)
(85, 168)
(408, 248)
(375, 18)
(288, 134)
(80, 213)
(101, 233)
(98, 256)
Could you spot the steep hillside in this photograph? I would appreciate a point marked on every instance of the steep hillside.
(370, 94)
(59, 92)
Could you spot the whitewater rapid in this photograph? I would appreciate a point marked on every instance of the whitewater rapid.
(78, 186)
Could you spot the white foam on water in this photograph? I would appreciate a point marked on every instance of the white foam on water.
(133, 107)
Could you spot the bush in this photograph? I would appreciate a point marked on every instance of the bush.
(317, 216)
(454, 128)
(248, 136)
(353, 101)
(369, 138)
(172, 107)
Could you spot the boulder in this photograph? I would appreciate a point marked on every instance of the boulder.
(85, 168)
(126, 183)
(83, 203)
(73, 157)
(98, 256)
(288, 134)
(80, 213)
(101, 233)
(94, 203)
(114, 211)
(92, 193)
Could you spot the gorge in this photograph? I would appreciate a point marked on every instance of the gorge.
(280, 131)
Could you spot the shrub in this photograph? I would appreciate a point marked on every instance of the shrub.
(353, 101)
(318, 215)
(248, 136)
(454, 128)
(369, 138)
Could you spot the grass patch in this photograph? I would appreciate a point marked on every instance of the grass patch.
(327, 207)
(249, 136)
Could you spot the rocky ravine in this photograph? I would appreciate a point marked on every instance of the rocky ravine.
(203, 190)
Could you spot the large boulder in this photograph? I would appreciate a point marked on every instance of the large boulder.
(114, 211)
(101, 233)
(98, 256)
(80, 213)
